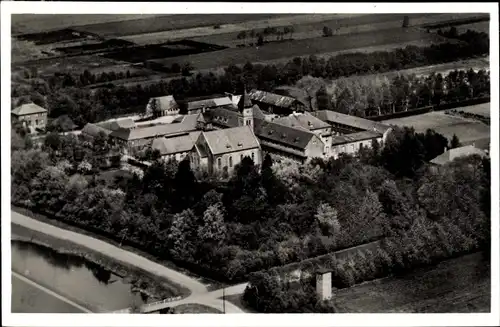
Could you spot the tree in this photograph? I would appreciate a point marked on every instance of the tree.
(260, 40)
(48, 188)
(242, 36)
(84, 167)
(213, 228)
(291, 30)
(406, 21)
(327, 217)
(182, 235)
(455, 142)
(327, 31)
(186, 69)
(185, 185)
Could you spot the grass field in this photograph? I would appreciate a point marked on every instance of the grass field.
(290, 49)
(467, 130)
(458, 285)
(479, 109)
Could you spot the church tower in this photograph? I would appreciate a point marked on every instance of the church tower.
(245, 109)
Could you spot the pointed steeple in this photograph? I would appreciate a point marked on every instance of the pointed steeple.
(244, 101)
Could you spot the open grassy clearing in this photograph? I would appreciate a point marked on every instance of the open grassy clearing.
(32, 23)
(290, 49)
(171, 23)
(479, 109)
(454, 286)
(340, 26)
(467, 130)
(205, 31)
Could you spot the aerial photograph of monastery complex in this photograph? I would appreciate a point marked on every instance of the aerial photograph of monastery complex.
(250, 163)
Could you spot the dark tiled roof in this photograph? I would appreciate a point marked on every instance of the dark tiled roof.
(231, 139)
(117, 124)
(348, 120)
(271, 98)
(223, 116)
(274, 132)
(209, 103)
(354, 137)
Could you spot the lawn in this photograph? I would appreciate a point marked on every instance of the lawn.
(317, 46)
(467, 130)
(479, 109)
(457, 285)
(307, 30)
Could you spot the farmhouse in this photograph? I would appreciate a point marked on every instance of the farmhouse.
(177, 148)
(30, 115)
(275, 103)
(162, 106)
(346, 124)
(289, 142)
(221, 150)
(450, 155)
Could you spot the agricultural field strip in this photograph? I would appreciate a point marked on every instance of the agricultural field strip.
(479, 27)
(479, 109)
(31, 23)
(355, 22)
(175, 23)
(298, 48)
(158, 37)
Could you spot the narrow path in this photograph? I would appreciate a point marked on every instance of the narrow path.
(46, 290)
(195, 286)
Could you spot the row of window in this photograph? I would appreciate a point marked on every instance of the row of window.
(37, 122)
(219, 160)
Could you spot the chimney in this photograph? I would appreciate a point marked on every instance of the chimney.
(324, 284)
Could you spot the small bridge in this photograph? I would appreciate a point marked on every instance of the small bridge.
(151, 307)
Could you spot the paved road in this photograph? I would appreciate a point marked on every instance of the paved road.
(195, 286)
(199, 292)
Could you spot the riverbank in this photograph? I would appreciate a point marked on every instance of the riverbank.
(154, 286)
(208, 283)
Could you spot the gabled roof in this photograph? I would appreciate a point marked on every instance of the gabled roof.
(153, 131)
(190, 119)
(271, 98)
(115, 125)
(173, 145)
(348, 120)
(452, 154)
(165, 102)
(94, 130)
(231, 140)
(28, 109)
(209, 103)
(354, 137)
(257, 113)
(223, 117)
(305, 120)
(274, 132)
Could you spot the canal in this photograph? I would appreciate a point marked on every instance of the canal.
(45, 281)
